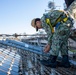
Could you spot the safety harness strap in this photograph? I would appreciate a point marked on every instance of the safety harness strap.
(57, 22)
(49, 23)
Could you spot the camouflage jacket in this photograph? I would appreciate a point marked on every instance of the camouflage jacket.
(53, 15)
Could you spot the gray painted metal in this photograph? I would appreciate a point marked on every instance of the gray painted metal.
(23, 46)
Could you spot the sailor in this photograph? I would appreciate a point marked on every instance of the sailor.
(57, 24)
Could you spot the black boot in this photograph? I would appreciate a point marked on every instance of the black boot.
(65, 62)
(51, 62)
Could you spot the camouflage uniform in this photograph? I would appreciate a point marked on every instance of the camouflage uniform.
(58, 39)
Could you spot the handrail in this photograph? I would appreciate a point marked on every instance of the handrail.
(24, 46)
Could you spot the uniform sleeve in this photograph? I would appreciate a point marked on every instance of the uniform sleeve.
(50, 39)
(47, 29)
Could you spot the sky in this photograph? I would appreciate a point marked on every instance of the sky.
(16, 15)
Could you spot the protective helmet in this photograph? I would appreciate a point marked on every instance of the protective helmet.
(33, 22)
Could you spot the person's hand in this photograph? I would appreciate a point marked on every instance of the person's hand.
(47, 48)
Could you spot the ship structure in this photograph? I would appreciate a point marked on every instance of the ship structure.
(20, 56)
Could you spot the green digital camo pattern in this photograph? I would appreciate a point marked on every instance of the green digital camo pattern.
(72, 9)
(58, 40)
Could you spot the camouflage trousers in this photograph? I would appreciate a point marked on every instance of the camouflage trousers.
(60, 39)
